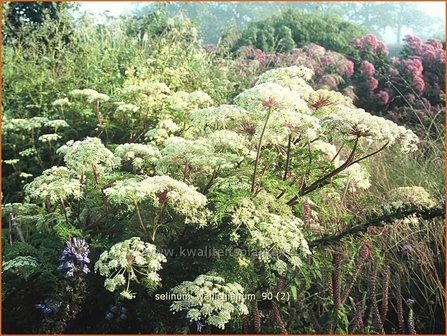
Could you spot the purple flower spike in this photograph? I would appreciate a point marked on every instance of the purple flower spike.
(199, 326)
(75, 258)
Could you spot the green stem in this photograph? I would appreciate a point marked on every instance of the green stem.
(140, 218)
(156, 220)
(258, 152)
(64, 211)
(324, 180)
(286, 171)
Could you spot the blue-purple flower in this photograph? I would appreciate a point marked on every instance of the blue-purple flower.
(407, 249)
(116, 311)
(46, 307)
(409, 302)
(199, 326)
(75, 258)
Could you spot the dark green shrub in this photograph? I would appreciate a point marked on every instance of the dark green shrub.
(278, 32)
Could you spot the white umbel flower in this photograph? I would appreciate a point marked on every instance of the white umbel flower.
(294, 78)
(61, 102)
(88, 155)
(347, 123)
(253, 100)
(49, 137)
(210, 299)
(161, 190)
(90, 95)
(219, 117)
(131, 260)
(55, 184)
(140, 155)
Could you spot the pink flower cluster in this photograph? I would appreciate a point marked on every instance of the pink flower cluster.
(314, 50)
(252, 53)
(430, 52)
(414, 69)
(382, 97)
(394, 74)
(370, 43)
(414, 42)
(324, 63)
(328, 62)
(367, 68)
(378, 82)
(375, 51)
(372, 83)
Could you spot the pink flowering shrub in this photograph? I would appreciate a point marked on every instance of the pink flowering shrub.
(400, 86)
(429, 58)
(421, 82)
(331, 69)
(371, 61)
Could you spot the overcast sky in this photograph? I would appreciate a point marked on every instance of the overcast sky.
(433, 8)
(118, 7)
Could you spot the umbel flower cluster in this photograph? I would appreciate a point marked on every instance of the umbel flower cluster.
(90, 95)
(21, 265)
(277, 238)
(35, 123)
(89, 155)
(412, 195)
(300, 112)
(75, 259)
(55, 184)
(209, 299)
(139, 155)
(161, 191)
(130, 260)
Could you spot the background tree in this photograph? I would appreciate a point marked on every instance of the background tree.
(331, 32)
(21, 16)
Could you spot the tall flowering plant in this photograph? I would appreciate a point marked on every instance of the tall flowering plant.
(263, 175)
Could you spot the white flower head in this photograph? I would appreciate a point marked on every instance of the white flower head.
(348, 123)
(219, 117)
(162, 190)
(130, 260)
(254, 99)
(414, 195)
(61, 102)
(126, 109)
(140, 155)
(88, 155)
(357, 177)
(294, 78)
(90, 95)
(49, 137)
(198, 155)
(211, 299)
(55, 184)
(58, 123)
